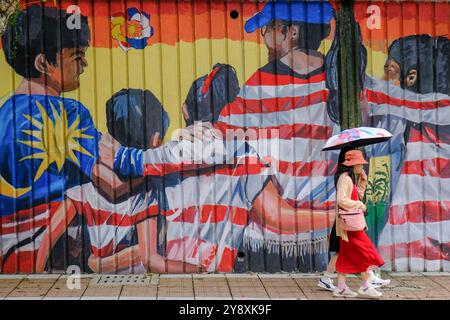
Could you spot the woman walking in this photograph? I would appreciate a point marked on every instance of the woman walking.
(326, 282)
(357, 253)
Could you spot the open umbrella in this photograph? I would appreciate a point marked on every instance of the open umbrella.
(357, 137)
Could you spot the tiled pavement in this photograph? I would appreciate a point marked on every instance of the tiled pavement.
(216, 287)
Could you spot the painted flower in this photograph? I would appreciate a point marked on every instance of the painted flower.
(344, 136)
(132, 31)
(354, 133)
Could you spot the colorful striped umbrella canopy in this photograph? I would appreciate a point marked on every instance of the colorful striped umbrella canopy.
(357, 137)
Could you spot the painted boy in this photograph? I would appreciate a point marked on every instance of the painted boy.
(49, 143)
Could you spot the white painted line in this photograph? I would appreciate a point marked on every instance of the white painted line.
(82, 276)
(436, 274)
(44, 276)
(275, 275)
(206, 275)
(405, 274)
(175, 276)
(23, 298)
(12, 276)
(305, 275)
(241, 275)
(61, 298)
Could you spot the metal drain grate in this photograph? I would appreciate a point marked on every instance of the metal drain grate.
(112, 280)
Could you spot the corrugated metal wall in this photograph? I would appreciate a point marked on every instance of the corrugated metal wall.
(96, 96)
(409, 97)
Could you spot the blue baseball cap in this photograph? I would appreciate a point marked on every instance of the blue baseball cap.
(301, 11)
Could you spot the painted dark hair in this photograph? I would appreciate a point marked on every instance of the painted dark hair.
(133, 116)
(209, 94)
(414, 52)
(310, 35)
(442, 64)
(429, 56)
(37, 30)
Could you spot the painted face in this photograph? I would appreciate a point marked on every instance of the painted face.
(392, 72)
(70, 65)
(278, 39)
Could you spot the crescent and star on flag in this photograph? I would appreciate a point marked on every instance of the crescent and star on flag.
(54, 141)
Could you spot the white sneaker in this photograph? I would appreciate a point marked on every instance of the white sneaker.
(347, 293)
(327, 284)
(370, 292)
(378, 282)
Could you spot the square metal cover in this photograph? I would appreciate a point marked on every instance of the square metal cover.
(111, 279)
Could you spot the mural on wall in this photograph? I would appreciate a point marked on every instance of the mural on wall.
(407, 90)
(169, 136)
(122, 198)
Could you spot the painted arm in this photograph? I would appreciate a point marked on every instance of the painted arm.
(171, 157)
(121, 260)
(59, 222)
(151, 259)
(110, 185)
(201, 149)
(279, 215)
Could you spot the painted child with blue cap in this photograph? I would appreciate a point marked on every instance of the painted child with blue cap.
(293, 31)
(295, 93)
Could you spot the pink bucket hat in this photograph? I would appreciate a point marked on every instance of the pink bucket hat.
(354, 157)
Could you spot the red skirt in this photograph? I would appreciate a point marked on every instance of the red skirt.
(358, 254)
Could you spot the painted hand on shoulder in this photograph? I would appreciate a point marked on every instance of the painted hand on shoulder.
(202, 131)
(107, 149)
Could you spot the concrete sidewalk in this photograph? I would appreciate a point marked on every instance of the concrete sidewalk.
(211, 286)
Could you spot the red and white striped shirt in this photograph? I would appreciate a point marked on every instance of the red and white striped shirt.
(416, 236)
(206, 214)
(21, 235)
(108, 224)
(205, 209)
(285, 117)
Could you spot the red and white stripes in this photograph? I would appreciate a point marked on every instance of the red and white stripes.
(108, 223)
(285, 120)
(417, 234)
(206, 216)
(20, 237)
